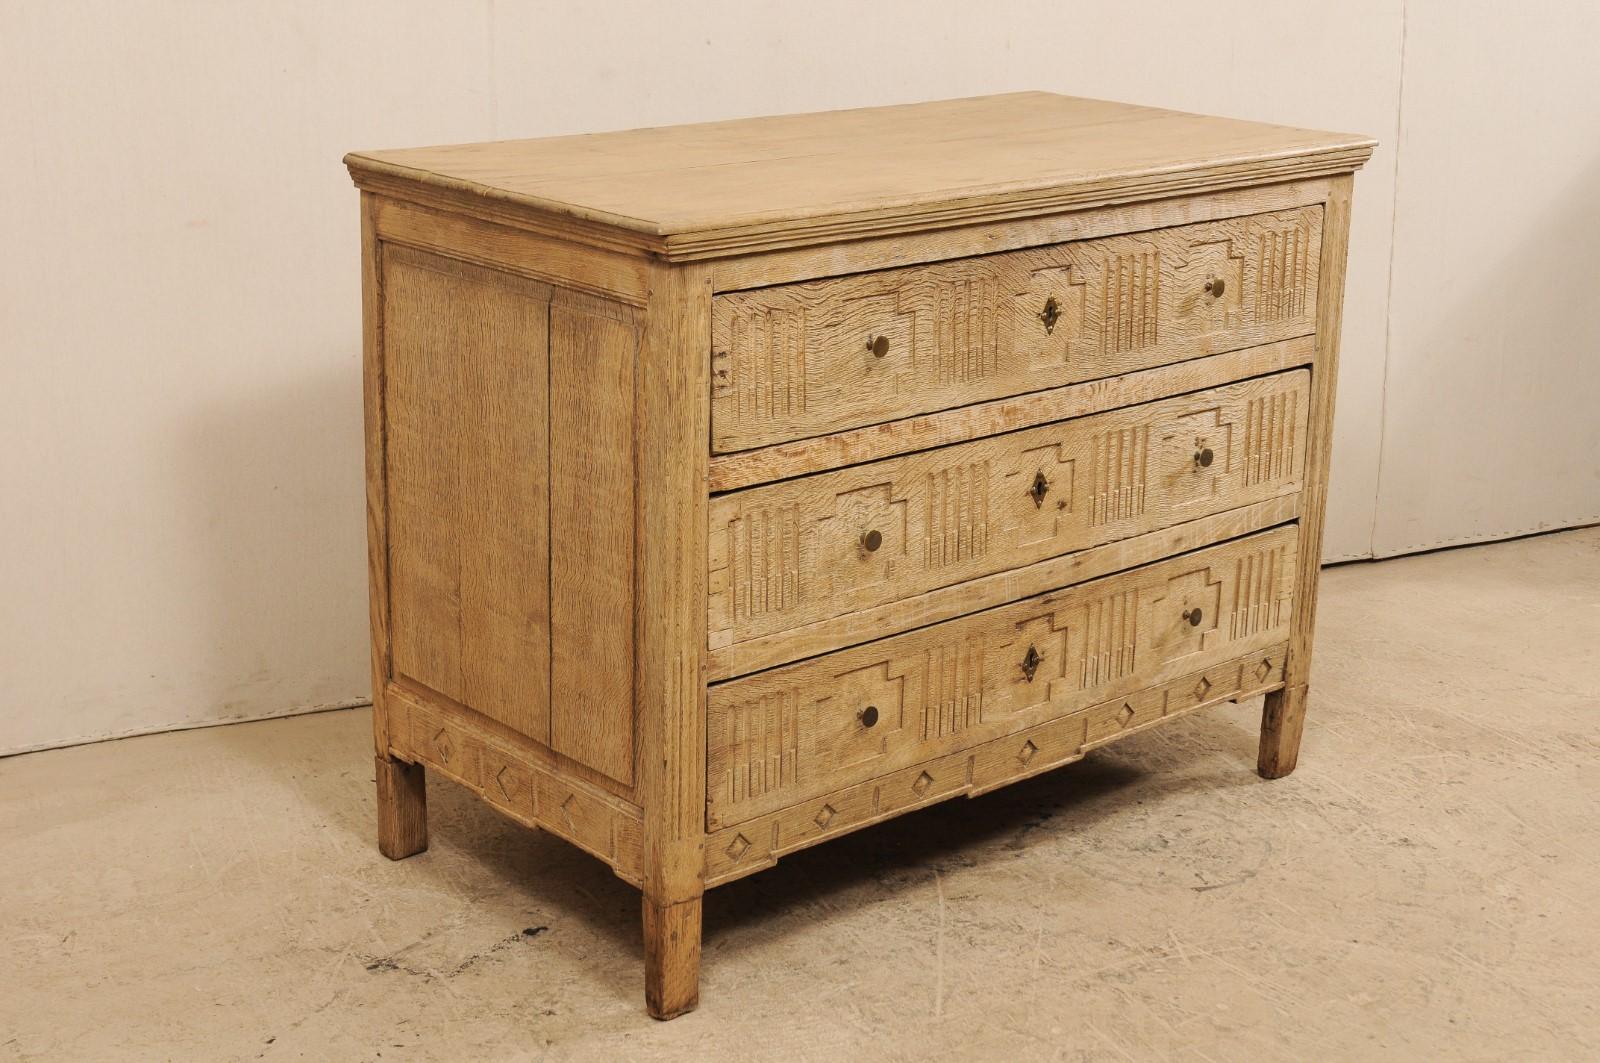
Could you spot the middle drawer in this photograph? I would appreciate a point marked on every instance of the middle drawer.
(805, 550)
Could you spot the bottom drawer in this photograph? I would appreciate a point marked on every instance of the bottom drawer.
(752, 845)
(777, 738)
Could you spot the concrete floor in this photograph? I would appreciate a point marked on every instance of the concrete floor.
(1425, 886)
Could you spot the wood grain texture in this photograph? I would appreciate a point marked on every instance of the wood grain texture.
(736, 851)
(1283, 723)
(672, 423)
(1283, 716)
(799, 360)
(561, 263)
(670, 623)
(781, 736)
(518, 782)
(402, 808)
(374, 431)
(985, 592)
(764, 269)
(727, 187)
(781, 461)
(671, 957)
(816, 547)
(467, 422)
(594, 345)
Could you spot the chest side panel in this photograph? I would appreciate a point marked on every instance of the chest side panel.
(467, 453)
(510, 468)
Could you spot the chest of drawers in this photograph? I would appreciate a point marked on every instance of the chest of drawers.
(731, 487)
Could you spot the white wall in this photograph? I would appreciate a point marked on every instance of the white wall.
(1491, 423)
(179, 340)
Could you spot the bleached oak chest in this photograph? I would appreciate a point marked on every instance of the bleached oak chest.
(731, 487)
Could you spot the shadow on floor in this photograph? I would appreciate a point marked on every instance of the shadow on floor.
(472, 844)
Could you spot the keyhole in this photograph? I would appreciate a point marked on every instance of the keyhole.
(1031, 662)
(1040, 487)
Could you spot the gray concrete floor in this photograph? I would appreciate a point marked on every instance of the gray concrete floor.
(1425, 886)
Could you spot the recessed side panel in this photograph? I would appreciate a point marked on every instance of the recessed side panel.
(593, 346)
(467, 454)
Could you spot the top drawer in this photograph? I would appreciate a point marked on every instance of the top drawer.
(800, 360)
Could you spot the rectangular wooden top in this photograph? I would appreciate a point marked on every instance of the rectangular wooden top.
(722, 188)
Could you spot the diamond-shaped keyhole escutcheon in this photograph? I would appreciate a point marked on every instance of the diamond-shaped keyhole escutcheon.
(1050, 315)
(1031, 661)
(1040, 488)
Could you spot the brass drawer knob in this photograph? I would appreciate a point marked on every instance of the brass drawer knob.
(871, 540)
(869, 716)
(1215, 287)
(1203, 458)
(1040, 488)
(1050, 314)
(1194, 616)
(1031, 661)
(879, 346)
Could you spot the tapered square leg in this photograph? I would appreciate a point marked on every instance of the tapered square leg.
(671, 957)
(1283, 720)
(402, 808)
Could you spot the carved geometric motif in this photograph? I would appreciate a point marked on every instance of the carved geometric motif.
(1065, 285)
(1214, 260)
(1043, 642)
(1257, 590)
(1187, 612)
(1283, 262)
(838, 735)
(1119, 476)
(444, 745)
(1130, 301)
(568, 808)
(966, 329)
(1110, 627)
(1183, 445)
(762, 743)
(1046, 477)
(507, 782)
(952, 687)
(767, 374)
(956, 527)
(1269, 438)
(764, 562)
